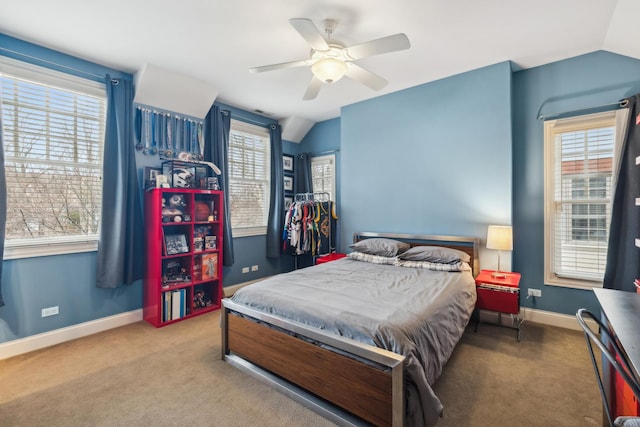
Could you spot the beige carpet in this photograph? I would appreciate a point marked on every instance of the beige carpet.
(140, 376)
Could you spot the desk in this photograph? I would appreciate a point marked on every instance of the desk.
(621, 314)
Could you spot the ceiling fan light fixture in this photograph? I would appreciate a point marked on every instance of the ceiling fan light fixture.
(329, 70)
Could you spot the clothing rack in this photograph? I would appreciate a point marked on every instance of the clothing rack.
(312, 197)
(308, 225)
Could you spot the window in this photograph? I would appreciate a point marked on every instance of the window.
(53, 131)
(323, 175)
(579, 164)
(249, 178)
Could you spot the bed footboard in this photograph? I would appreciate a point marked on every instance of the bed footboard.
(363, 380)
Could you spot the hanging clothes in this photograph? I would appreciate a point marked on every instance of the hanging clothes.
(310, 226)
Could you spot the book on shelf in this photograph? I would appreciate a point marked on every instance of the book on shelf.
(177, 304)
(209, 266)
(174, 304)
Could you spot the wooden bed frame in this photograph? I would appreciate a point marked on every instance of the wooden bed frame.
(346, 381)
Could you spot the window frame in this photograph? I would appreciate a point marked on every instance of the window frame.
(245, 127)
(564, 125)
(56, 245)
(331, 159)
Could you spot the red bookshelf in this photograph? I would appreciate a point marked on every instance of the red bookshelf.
(183, 276)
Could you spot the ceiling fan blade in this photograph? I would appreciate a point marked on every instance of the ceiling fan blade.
(378, 46)
(280, 66)
(312, 90)
(310, 33)
(365, 77)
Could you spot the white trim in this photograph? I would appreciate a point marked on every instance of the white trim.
(532, 315)
(57, 336)
(26, 248)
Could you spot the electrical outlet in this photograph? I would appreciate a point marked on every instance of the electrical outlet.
(534, 292)
(50, 311)
(254, 268)
(245, 270)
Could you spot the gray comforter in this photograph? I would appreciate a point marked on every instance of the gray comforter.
(418, 313)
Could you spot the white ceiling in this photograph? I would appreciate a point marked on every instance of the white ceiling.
(216, 41)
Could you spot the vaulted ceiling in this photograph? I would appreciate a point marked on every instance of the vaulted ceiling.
(217, 41)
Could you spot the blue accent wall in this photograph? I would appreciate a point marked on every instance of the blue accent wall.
(67, 281)
(433, 159)
(578, 83)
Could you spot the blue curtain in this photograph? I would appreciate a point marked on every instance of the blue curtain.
(3, 206)
(623, 257)
(303, 181)
(121, 246)
(275, 222)
(216, 149)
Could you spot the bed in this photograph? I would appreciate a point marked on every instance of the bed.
(359, 340)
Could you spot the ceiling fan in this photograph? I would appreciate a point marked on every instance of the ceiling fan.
(330, 59)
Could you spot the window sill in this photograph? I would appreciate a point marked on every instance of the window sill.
(32, 249)
(248, 232)
(564, 282)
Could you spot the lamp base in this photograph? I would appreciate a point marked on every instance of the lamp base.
(498, 275)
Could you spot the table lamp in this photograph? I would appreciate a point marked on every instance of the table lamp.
(499, 237)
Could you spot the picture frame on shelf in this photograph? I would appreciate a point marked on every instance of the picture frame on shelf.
(288, 201)
(288, 183)
(175, 244)
(150, 175)
(209, 265)
(287, 163)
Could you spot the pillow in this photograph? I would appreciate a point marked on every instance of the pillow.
(380, 246)
(375, 259)
(437, 266)
(437, 254)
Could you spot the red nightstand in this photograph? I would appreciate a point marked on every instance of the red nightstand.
(500, 295)
(331, 257)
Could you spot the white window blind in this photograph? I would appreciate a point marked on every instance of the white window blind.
(580, 165)
(323, 174)
(249, 178)
(53, 132)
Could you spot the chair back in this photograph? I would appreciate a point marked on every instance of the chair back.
(608, 344)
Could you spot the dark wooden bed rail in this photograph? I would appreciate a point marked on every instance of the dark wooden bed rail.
(363, 380)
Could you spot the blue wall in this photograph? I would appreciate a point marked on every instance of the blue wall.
(573, 84)
(68, 281)
(440, 158)
(433, 159)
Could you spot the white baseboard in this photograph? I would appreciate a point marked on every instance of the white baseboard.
(46, 339)
(543, 317)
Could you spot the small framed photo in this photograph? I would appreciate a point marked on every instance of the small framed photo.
(288, 201)
(150, 175)
(176, 244)
(288, 183)
(287, 163)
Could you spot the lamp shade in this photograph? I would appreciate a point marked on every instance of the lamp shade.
(329, 70)
(500, 237)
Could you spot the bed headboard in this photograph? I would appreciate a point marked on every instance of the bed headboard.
(469, 245)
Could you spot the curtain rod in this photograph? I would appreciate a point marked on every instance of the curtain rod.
(622, 103)
(24, 55)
